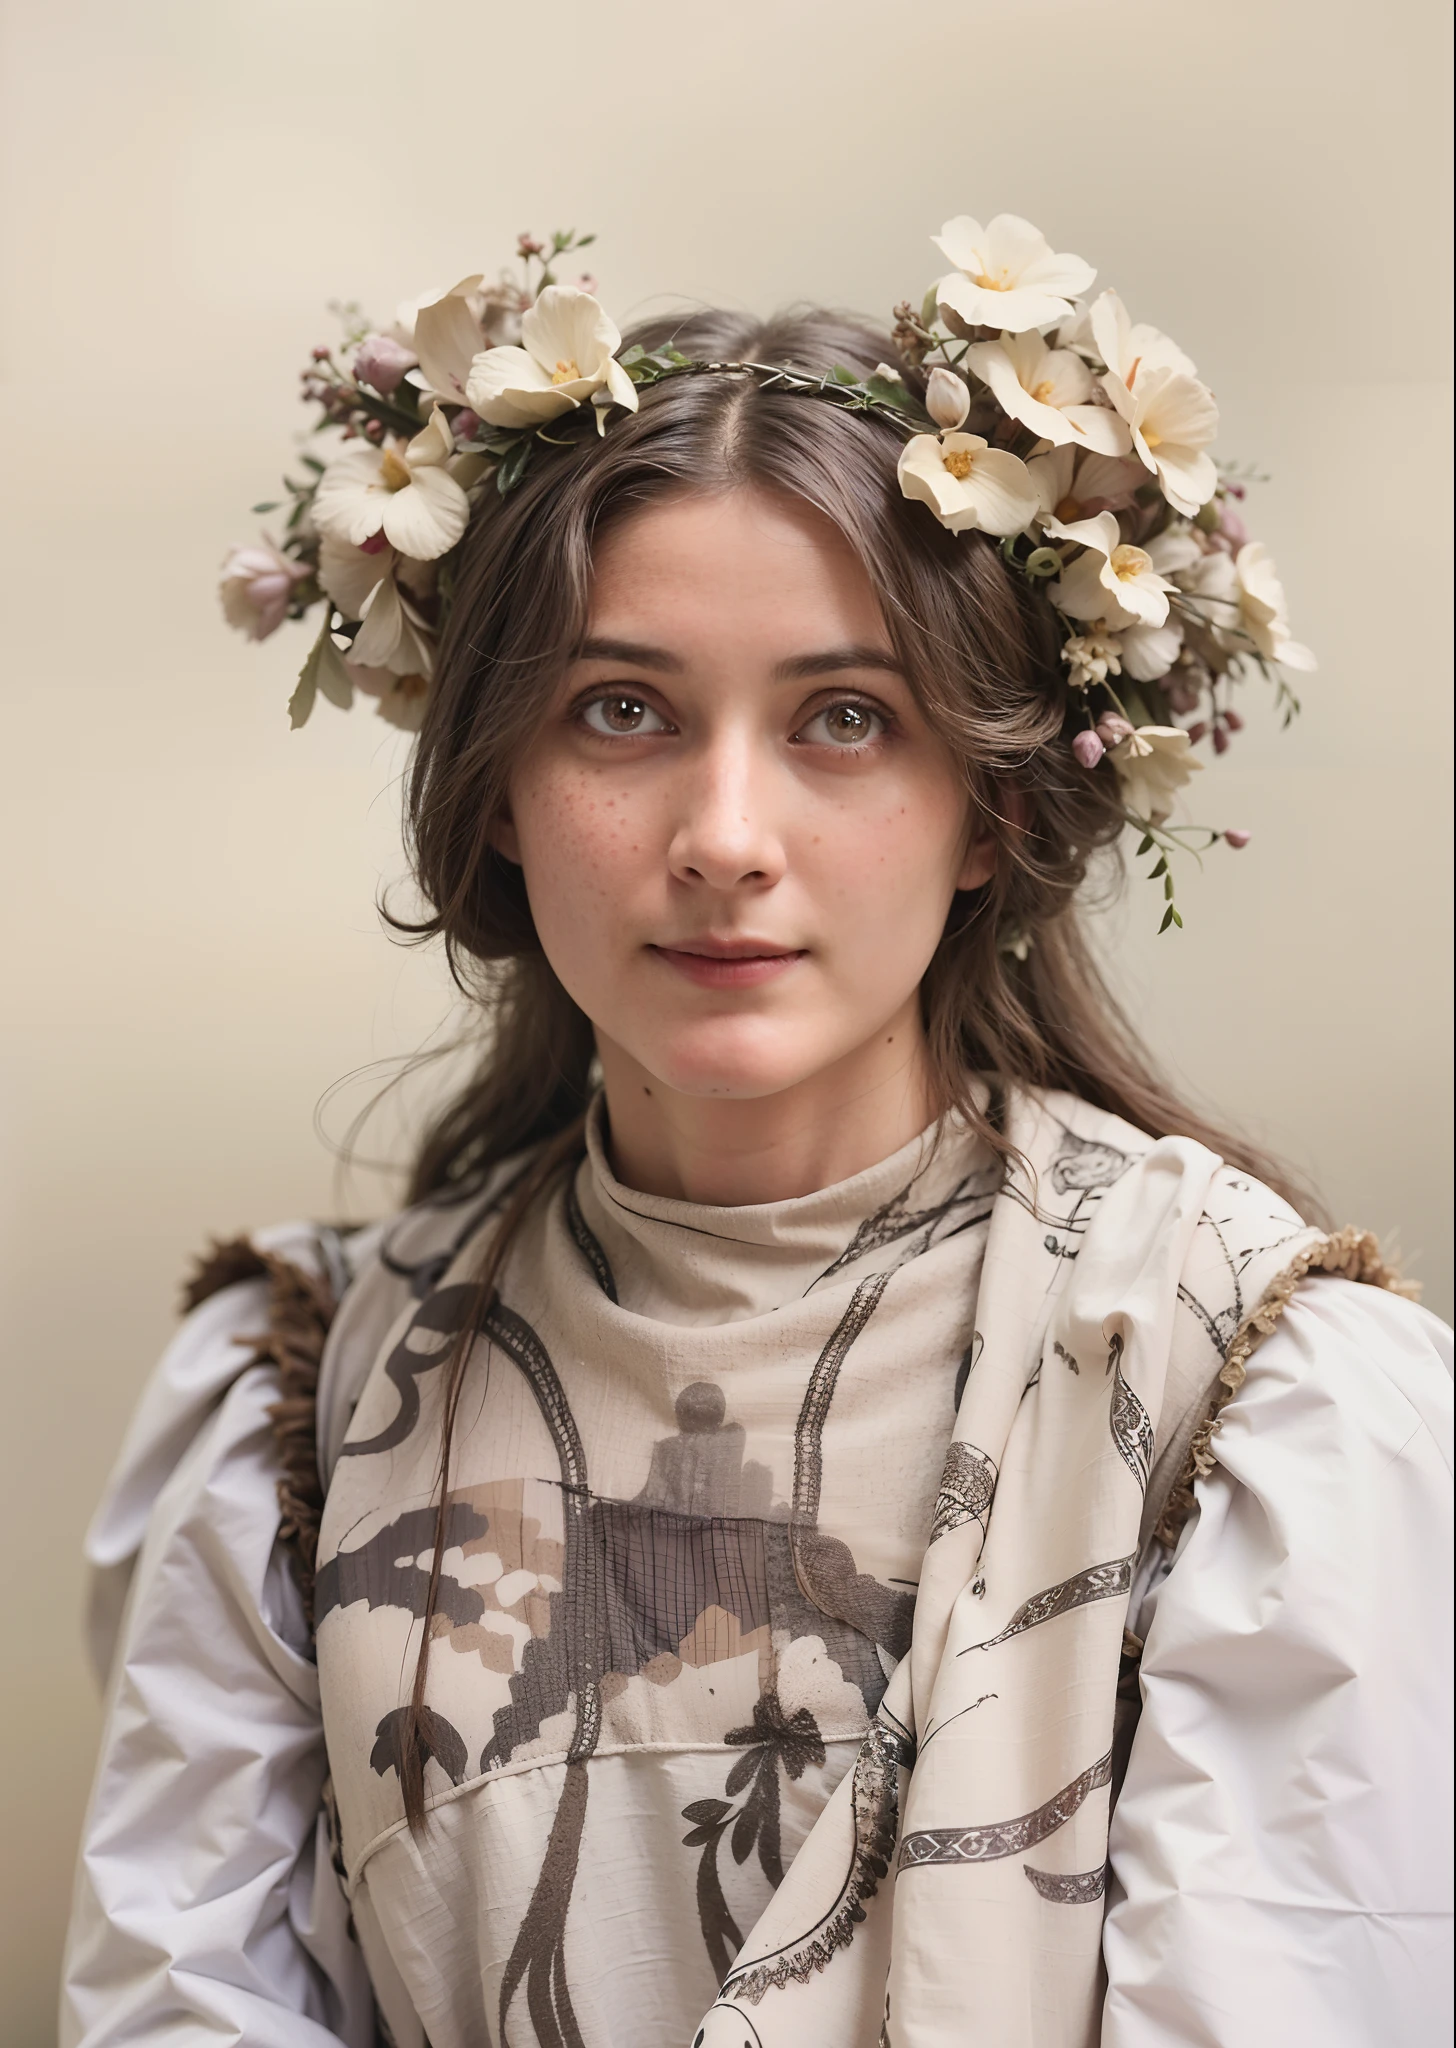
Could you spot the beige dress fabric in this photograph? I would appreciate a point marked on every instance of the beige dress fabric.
(744, 1683)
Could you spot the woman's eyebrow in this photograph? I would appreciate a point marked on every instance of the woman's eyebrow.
(833, 659)
(634, 652)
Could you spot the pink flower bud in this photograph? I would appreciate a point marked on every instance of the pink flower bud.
(380, 361)
(257, 588)
(587, 283)
(947, 399)
(1220, 740)
(1112, 728)
(1196, 732)
(374, 431)
(320, 353)
(1238, 837)
(1233, 721)
(464, 424)
(527, 245)
(1088, 748)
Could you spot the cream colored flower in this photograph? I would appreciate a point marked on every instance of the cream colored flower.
(1048, 390)
(447, 338)
(256, 588)
(402, 490)
(1172, 419)
(1155, 387)
(1092, 657)
(969, 485)
(1007, 275)
(1110, 581)
(1148, 652)
(393, 636)
(1073, 485)
(1153, 763)
(567, 355)
(947, 399)
(1125, 348)
(1263, 611)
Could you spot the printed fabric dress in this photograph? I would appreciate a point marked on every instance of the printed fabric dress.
(696, 1465)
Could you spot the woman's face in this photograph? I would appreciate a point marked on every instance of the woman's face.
(740, 838)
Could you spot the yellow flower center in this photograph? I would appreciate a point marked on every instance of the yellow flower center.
(1068, 510)
(564, 373)
(958, 462)
(1153, 440)
(394, 472)
(1129, 563)
(1000, 281)
(1044, 391)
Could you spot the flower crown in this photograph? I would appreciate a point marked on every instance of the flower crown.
(1075, 437)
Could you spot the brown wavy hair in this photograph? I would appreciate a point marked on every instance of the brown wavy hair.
(1012, 992)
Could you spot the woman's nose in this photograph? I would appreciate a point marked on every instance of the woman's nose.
(727, 834)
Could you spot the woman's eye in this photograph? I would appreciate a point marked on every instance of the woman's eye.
(620, 715)
(844, 726)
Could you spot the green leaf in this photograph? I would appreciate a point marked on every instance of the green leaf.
(586, 241)
(839, 375)
(512, 465)
(268, 505)
(1169, 917)
(324, 670)
(635, 354)
(1168, 887)
(886, 393)
(312, 462)
(1160, 869)
(1145, 845)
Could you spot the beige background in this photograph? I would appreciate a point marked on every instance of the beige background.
(191, 949)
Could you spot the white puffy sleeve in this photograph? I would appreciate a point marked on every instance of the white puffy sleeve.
(206, 1908)
(1281, 1850)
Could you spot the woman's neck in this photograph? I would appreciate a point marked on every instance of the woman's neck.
(733, 1152)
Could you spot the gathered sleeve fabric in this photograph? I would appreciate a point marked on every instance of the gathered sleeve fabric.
(1281, 1850)
(206, 1906)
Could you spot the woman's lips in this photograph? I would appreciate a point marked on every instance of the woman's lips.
(728, 966)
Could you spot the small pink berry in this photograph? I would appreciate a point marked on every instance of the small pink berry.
(1233, 721)
(1088, 748)
(374, 431)
(320, 354)
(1238, 837)
(1196, 732)
(1220, 740)
(587, 283)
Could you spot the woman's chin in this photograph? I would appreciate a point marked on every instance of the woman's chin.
(740, 1066)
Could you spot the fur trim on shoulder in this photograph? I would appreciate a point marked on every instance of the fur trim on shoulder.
(301, 1308)
(1348, 1254)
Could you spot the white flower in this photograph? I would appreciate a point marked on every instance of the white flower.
(968, 484)
(1153, 763)
(1126, 349)
(447, 338)
(567, 354)
(1007, 275)
(1072, 485)
(1092, 657)
(256, 586)
(1148, 652)
(1111, 581)
(947, 399)
(393, 636)
(1263, 612)
(1048, 390)
(403, 491)
(1172, 418)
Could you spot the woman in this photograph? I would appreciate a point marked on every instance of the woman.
(848, 1513)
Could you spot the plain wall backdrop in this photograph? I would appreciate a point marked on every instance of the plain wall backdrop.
(191, 952)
